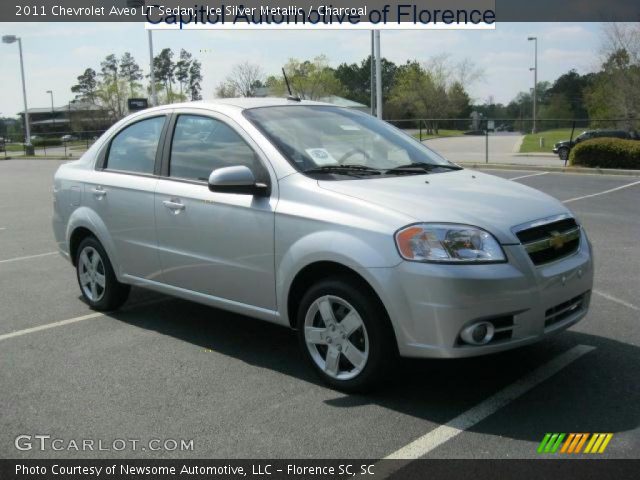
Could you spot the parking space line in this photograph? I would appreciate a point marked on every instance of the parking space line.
(530, 175)
(617, 300)
(602, 193)
(491, 405)
(26, 331)
(82, 318)
(16, 259)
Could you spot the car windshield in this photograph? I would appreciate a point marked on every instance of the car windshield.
(338, 141)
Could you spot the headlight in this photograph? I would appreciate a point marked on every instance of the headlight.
(430, 242)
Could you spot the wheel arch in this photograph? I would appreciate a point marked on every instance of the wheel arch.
(319, 270)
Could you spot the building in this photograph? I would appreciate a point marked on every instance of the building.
(80, 118)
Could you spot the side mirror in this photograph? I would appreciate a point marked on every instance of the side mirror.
(238, 179)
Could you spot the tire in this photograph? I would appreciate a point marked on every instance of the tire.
(96, 278)
(563, 153)
(352, 356)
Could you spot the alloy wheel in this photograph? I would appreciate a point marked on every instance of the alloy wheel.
(336, 337)
(91, 273)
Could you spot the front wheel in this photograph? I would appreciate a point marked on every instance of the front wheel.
(98, 283)
(563, 153)
(345, 334)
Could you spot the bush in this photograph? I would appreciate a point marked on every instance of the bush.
(607, 153)
(46, 142)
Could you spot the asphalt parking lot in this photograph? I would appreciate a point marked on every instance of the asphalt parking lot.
(169, 369)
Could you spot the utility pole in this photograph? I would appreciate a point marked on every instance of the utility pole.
(378, 75)
(535, 80)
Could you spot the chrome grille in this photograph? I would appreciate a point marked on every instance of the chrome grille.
(547, 242)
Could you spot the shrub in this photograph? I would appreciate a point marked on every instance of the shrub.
(607, 153)
(46, 142)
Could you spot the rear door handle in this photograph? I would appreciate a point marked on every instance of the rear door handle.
(173, 205)
(99, 192)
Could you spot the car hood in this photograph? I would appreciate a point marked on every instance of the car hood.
(463, 196)
(563, 143)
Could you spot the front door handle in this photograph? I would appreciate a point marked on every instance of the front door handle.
(173, 205)
(99, 192)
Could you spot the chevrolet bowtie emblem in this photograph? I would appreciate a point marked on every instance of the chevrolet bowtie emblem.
(556, 240)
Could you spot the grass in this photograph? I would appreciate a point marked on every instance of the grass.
(531, 142)
(441, 133)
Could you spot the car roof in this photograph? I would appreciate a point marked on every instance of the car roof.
(241, 103)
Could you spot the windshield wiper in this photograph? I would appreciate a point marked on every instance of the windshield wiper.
(418, 167)
(353, 170)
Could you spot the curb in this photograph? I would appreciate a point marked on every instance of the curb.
(551, 169)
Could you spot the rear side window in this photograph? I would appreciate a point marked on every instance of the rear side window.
(202, 144)
(134, 148)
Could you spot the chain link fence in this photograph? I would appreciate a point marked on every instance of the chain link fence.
(56, 144)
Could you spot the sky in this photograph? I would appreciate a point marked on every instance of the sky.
(56, 53)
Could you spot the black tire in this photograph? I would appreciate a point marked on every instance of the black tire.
(382, 352)
(114, 293)
(563, 153)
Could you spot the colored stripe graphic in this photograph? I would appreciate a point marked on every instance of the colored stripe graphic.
(597, 442)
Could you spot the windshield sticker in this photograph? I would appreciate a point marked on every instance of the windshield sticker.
(321, 156)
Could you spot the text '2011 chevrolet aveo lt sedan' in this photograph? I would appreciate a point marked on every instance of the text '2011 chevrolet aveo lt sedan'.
(326, 220)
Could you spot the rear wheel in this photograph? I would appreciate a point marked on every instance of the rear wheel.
(345, 335)
(96, 277)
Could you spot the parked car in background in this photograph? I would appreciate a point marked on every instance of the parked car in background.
(68, 138)
(326, 220)
(564, 147)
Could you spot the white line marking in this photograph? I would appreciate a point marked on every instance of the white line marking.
(61, 323)
(26, 331)
(617, 300)
(16, 259)
(491, 405)
(3, 228)
(530, 175)
(602, 193)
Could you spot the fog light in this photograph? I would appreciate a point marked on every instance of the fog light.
(479, 333)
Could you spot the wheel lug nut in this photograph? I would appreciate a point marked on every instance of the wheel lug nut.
(339, 347)
(329, 340)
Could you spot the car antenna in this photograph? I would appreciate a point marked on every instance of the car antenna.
(291, 96)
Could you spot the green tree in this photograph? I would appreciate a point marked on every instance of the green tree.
(87, 87)
(195, 80)
(164, 68)
(309, 79)
(182, 69)
(130, 71)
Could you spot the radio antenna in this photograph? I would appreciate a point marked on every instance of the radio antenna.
(291, 95)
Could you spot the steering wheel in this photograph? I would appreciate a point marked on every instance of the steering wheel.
(351, 153)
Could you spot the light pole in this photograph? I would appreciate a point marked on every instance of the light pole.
(53, 112)
(378, 75)
(154, 95)
(535, 79)
(27, 129)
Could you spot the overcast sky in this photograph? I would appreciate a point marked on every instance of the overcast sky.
(56, 53)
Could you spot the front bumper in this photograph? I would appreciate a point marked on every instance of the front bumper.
(429, 304)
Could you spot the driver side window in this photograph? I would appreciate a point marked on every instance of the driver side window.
(203, 144)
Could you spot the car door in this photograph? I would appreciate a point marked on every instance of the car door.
(213, 243)
(121, 191)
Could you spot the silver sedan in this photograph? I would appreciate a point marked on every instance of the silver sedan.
(325, 220)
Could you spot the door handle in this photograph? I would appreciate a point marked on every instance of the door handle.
(99, 192)
(173, 205)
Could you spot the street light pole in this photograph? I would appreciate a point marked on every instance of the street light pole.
(12, 39)
(154, 96)
(535, 80)
(378, 76)
(372, 80)
(53, 112)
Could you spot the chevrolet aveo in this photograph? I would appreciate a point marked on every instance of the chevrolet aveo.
(325, 220)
